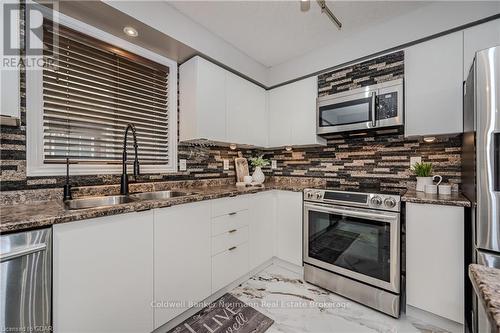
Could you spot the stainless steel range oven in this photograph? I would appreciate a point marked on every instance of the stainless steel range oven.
(352, 246)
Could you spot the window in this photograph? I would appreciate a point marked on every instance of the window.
(79, 107)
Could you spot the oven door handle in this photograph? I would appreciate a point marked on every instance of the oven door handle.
(353, 213)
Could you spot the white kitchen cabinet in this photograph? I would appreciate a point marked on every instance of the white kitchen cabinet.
(433, 86)
(246, 112)
(230, 239)
(9, 76)
(103, 274)
(435, 259)
(478, 38)
(292, 114)
(202, 101)
(218, 105)
(229, 265)
(289, 226)
(182, 260)
(262, 227)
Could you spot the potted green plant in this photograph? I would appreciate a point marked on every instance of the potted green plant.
(258, 162)
(423, 172)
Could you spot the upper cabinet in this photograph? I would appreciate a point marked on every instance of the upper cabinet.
(202, 99)
(433, 86)
(9, 77)
(478, 38)
(246, 112)
(220, 106)
(292, 114)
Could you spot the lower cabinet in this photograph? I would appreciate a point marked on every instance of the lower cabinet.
(230, 236)
(435, 259)
(262, 227)
(289, 226)
(182, 261)
(135, 272)
(103, 274)
(229, 265)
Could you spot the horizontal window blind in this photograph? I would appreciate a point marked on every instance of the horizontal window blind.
(90, 94)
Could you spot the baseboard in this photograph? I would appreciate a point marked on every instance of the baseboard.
(289, 266)
(433, 319)
(188, 313)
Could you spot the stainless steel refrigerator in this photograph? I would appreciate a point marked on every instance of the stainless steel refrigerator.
(481, 161)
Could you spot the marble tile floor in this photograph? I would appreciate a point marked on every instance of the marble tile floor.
(297, 306)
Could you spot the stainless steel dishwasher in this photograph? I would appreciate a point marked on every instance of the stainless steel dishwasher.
(25, 281)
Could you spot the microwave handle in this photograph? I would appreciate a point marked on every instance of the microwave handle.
(374, 105)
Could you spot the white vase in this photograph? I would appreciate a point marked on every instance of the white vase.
(422, 181)
(258, 176)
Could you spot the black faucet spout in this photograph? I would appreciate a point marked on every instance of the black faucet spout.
(124, 178)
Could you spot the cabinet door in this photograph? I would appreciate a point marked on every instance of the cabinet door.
(182, 257)
(478, 38)
(246, 112)
(262, 226)
(237, 100)
(289, 226)
(229, 266)
(202, 101)
(257, 116)
(211, 101)
(103, 274)
(292, 114)
(280, 121)
(435, 259)
(433, 86)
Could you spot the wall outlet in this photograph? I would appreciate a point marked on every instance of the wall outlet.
(226, 164)
(182, 165)
(274, 164)
(414, 160)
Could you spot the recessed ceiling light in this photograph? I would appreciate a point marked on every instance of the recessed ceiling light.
(129, 31)
(305, 5)
(430, 139)
(288, 148)
(232, 146)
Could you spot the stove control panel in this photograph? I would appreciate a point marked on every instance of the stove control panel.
(380, 201)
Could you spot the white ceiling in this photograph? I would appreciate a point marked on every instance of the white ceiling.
(273, 32)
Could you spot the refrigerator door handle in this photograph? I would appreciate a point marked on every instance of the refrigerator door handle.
(496, 162)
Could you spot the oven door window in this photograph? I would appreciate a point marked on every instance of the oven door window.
(356, 244)
(344, 113)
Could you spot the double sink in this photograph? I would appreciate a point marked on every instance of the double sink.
(113, 200)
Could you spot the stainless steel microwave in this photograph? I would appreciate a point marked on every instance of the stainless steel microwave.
(376, 106)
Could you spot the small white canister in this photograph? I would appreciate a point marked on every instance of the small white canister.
(431, 189)
(445, 189)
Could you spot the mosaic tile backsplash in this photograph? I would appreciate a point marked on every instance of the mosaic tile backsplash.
(385, 68)
(370, 160)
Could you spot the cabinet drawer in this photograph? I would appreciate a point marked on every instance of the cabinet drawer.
(228, 266)
(229, 239)
(232, 221)
(230, 205)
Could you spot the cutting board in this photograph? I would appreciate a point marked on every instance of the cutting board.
(241, 167)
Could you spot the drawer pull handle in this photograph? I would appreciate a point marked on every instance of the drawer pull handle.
(233, 213)
(232, 248)
(231, 231)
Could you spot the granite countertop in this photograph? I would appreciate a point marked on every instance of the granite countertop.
(486, 283)
(453, 199)
(46, 213)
